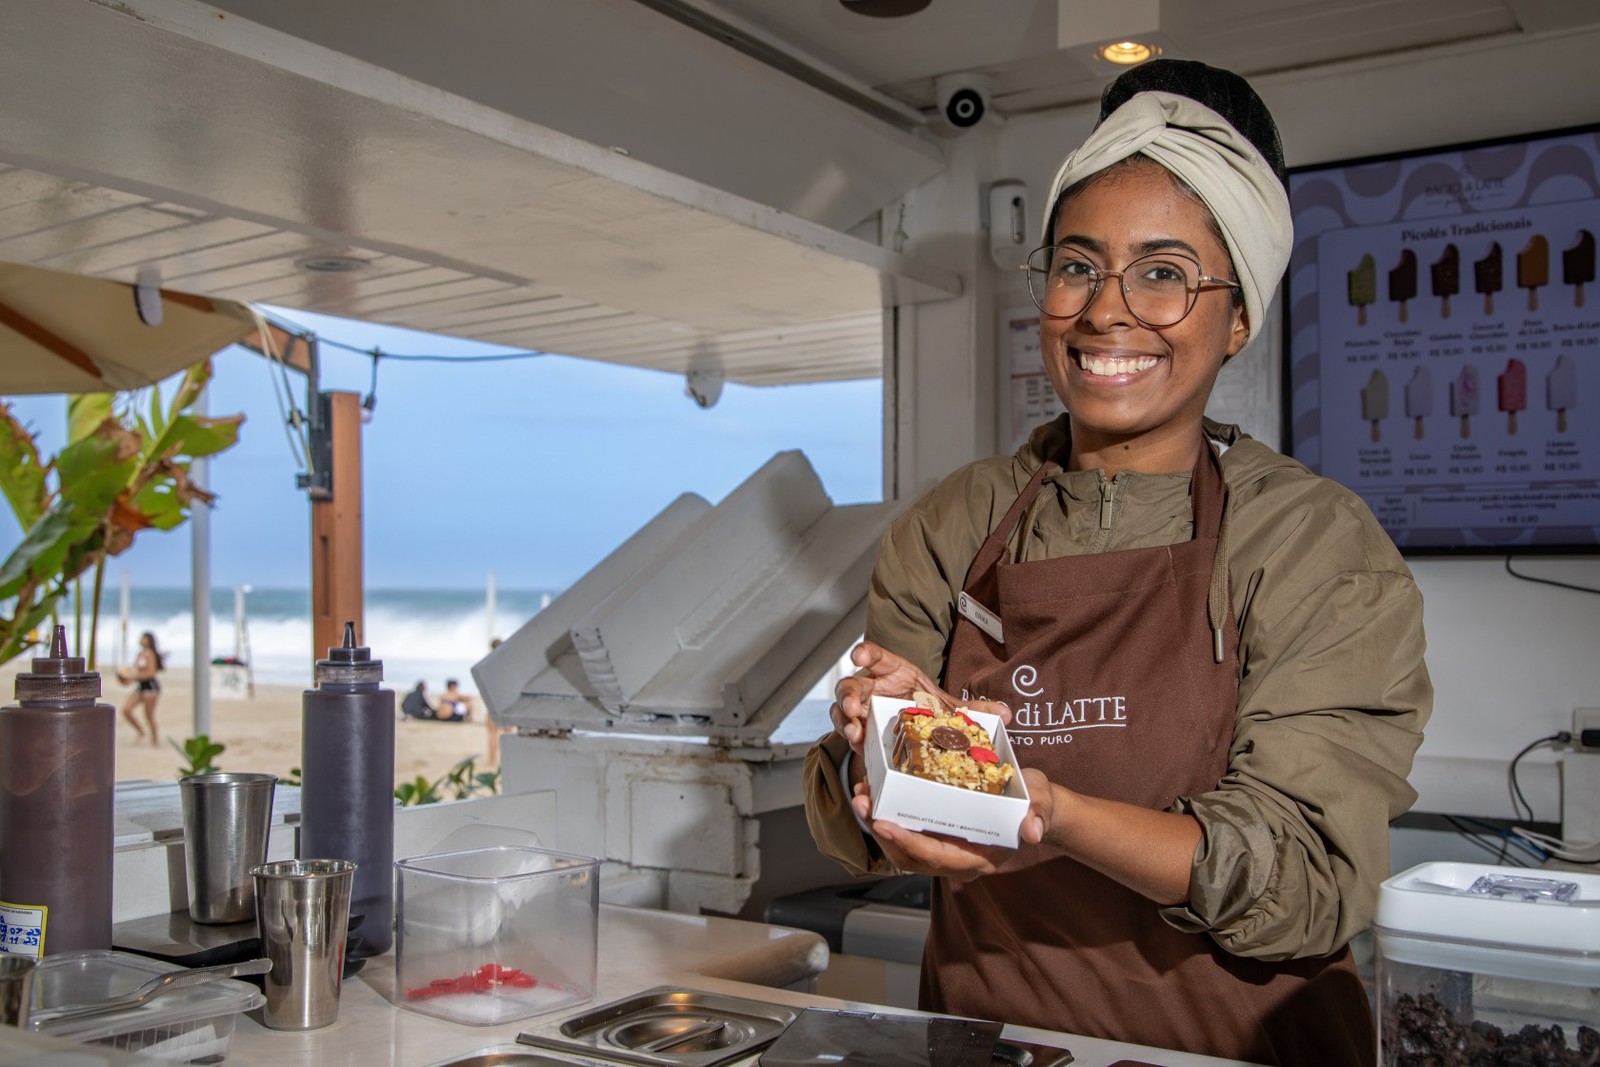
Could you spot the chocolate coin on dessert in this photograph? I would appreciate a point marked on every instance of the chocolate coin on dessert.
(949, 738)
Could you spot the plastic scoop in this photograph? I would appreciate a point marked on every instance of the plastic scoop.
(1419, 398)
(1375, 401)
(179, 979)
(1533, 268)
(1363, 286)
(1464, 397)
(1513, 392)
(1403, 280)
(1487, 278)
(1446, 277)
(1577, 266)
(1561, 390)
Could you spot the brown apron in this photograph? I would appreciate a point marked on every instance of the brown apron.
(1109, 667)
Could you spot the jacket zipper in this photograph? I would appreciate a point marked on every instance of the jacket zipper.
(1108, 501)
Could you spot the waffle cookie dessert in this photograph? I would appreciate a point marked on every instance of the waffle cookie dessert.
(949, 748)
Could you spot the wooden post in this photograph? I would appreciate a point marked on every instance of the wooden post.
(336, 568)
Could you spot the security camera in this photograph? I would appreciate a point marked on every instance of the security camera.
(963, 98)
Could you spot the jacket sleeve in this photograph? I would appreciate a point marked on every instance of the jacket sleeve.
(1333, 696)
(833, 825)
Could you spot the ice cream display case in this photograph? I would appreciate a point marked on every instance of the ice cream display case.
(668, 697)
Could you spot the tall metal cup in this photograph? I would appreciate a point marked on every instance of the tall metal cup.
(16, 989)
(226, 819)
(303, 912)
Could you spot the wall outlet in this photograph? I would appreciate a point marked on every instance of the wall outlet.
(1586, 721)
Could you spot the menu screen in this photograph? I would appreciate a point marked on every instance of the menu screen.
(1442, 341)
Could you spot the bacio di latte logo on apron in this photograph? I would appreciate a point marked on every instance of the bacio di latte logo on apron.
(1039, 718)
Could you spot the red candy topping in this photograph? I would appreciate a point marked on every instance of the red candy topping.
(965, 717)
(915, 711)
(983, 755)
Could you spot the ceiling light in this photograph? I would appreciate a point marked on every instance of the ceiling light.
(331, 264)
(1127, 53)
(884, 9)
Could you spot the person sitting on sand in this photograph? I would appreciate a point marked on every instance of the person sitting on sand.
(416, 706)
(454, 705)
(146, 690)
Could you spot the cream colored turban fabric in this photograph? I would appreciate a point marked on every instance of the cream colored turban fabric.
(1217, 162)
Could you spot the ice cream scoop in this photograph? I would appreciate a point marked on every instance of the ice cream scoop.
(1464, 397)
(1446, 273)
(1561, 390)
(1375, 401)
(1513, 391)
(1577, 266)
(1533, 268)
(1486, 277)
(1419, 398)
(1363, 285)
(1403, 280)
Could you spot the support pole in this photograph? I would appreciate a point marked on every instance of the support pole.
(336, 556)
(200, 586)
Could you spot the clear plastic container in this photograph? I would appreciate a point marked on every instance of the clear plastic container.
(489, 935)
(190, 1025)
(1480, 966)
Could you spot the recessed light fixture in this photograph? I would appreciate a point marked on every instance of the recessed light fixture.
(331, 264)
(884, 9)
(1127, 53)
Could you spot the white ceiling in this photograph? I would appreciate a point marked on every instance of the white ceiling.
(651, 182)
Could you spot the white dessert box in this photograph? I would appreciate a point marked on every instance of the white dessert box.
(918, 804)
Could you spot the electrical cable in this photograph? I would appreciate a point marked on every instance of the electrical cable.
(495, 357)
(299, 449)
(1549, 581)
(1509, 837)
(1562, 738)
(1497, 851)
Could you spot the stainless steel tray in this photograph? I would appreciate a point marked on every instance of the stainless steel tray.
(667, 1027)
(822, 1037)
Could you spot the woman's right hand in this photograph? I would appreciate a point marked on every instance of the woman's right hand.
(882, 674)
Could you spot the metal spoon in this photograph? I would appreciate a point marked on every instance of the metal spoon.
(179, 979)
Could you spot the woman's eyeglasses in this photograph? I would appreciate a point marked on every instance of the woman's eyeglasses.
(1160, 289)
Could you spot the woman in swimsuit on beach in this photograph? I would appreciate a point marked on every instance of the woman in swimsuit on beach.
(146, 689)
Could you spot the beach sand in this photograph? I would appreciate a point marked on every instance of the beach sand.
(263, 733)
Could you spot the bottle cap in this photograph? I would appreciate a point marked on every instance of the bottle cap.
(349, 664)
(59, 677)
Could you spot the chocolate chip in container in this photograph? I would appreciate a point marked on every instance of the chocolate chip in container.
(949, 738)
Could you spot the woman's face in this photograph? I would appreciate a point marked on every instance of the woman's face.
(1129, 388)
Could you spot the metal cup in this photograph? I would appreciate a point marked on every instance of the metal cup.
(303, 913)
(226, 819)
(16, 989)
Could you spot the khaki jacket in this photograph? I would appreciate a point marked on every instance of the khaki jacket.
(1333, 691)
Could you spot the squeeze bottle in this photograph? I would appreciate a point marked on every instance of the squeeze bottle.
(347, 783)
(58, 773)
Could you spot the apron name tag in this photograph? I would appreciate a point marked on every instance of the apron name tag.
(981, 617)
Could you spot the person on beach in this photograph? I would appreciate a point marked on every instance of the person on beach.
(1195, 859)
(146, 689)
(454, 705)
(415, 704)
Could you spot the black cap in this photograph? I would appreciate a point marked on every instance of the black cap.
(58, 677)
(1222, 91)
(349, 664)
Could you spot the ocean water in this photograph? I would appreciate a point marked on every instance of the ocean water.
(423, 635)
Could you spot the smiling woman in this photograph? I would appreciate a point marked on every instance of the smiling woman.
(1190, 873)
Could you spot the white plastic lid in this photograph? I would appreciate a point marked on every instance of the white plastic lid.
(77, 977)
(1437, 900)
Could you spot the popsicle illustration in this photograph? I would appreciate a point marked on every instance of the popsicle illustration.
(1561, 390)
(1375, 401)
(1577, 266)
(1363, 283)
(1513, 392)
(1533, 268)
(1403, 280)
(1447, 277)
(1419, 398)
(1486, 277)
(1464, 397)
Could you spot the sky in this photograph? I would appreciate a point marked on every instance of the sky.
(532, 469)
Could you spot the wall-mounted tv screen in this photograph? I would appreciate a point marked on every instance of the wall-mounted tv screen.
(1442, 341)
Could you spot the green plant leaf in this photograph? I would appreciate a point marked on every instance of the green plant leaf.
(22, 475)
(86, 412)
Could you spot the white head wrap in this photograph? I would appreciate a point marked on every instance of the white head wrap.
(1217, 162)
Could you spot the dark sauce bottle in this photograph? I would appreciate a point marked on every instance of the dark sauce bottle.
(347, 783)
(58, 774)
